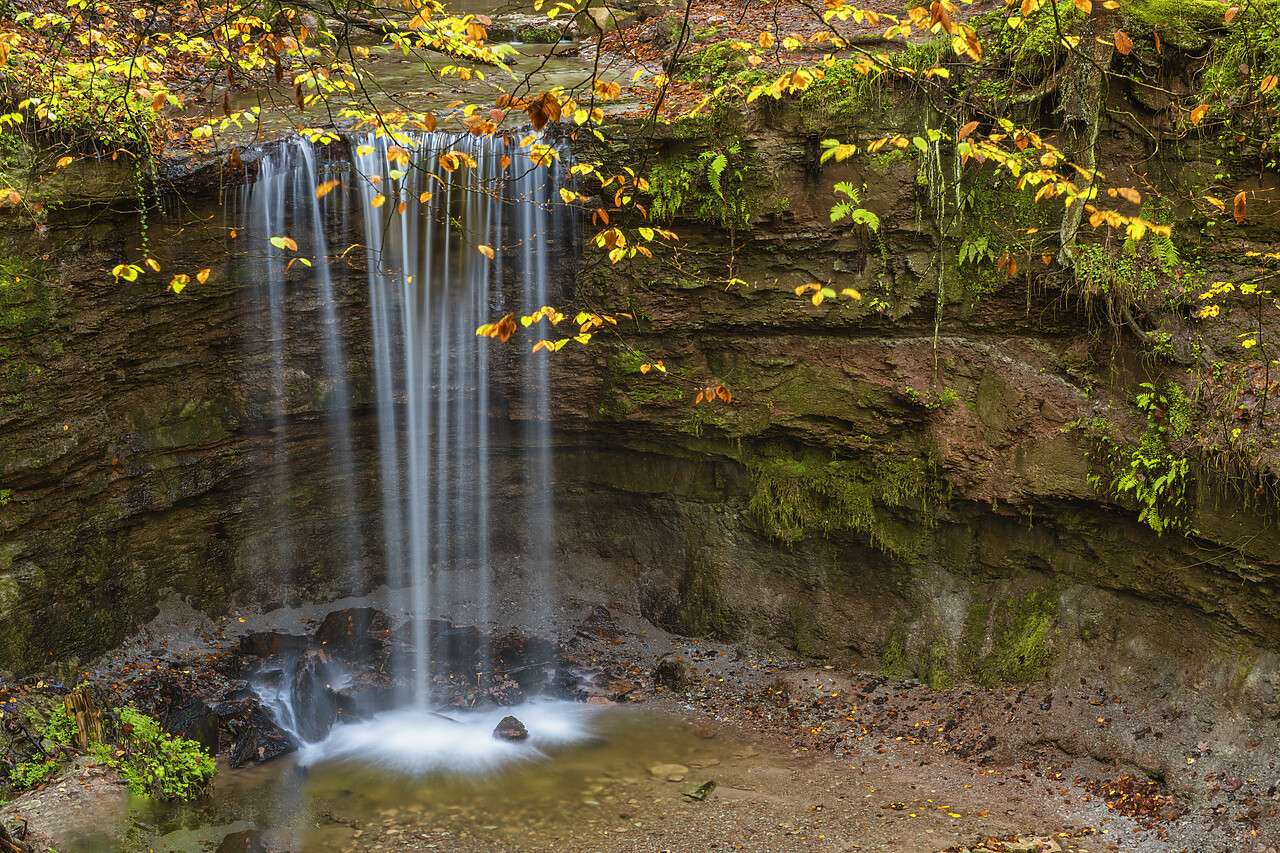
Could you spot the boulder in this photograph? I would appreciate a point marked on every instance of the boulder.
(509, 728)
(248, 841)
(354, 634)
(194, 720)
(259, 739)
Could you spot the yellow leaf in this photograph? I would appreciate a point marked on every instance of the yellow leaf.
(154, 264)
(567, 195)
(179, 281)
(378, 200)
(644, 368)
(766, 40)
(326, 188)
(1268, 83)
(65, 161)
(1084, 6)
(202, 276)
(487, 251)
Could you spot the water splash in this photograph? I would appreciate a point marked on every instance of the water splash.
(456, 230)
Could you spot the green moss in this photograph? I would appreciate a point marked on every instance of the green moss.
(936, 665)
(995, 215)
(796, 497)
(1180, 23)
(700, 611)
(1010, 643)
(626, 388)
(892, 660)
(844, 95)
(720, 62)
(26, 305)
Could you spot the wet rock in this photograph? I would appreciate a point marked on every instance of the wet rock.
(457, 647)
(362, 699)
(259, 739)
(671, 673)
(670, 772)
(354, 634)
(265, 644)
(249, 841)
(194, 720)
(315, 704)
(509, 728)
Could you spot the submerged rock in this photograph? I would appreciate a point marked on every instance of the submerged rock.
(509, 728)
(248, 841)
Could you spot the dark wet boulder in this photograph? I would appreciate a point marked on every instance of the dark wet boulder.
(259, 739)
(194, 720)
(315, 703)
(363, 697)
(354, 634)
(249, 841)
(509, 728)
(266, 644)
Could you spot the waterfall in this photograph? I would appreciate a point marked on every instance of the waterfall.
(455, 230)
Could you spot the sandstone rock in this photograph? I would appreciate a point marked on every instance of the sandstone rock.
(670, 772)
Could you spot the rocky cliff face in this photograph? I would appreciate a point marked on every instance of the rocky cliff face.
(896, 480)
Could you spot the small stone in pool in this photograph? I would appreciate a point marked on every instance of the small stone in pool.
(509, 728)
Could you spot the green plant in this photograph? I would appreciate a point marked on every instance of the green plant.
(61, 727)
(1150, 474)
(856, 215)
(6, 495)
(153, 763)
(712, 184)
(976, 250)
(30, 773)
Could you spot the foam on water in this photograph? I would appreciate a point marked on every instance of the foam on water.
(415, 743)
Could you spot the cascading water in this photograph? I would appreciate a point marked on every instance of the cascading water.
(456, 229)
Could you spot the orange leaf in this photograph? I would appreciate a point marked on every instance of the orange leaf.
(487, 251)
(1268, 83)
(1124, 44)
(1239, 207)
(326, 188)
(645, 368)
(967, 129)
(202, 276)
(1085, 6)
(1197, 115)
(543, 109)
(1232, 12)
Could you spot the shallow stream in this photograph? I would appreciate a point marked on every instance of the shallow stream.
(401, 783)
